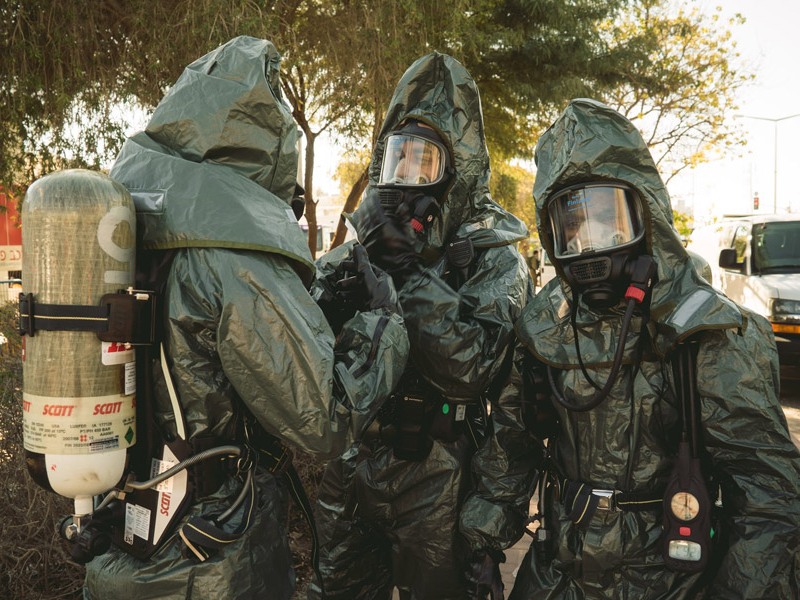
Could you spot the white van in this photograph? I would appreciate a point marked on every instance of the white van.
(759, 267)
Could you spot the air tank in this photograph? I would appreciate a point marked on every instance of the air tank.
(79, 401)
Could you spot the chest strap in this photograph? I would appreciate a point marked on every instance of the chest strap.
(582, 501)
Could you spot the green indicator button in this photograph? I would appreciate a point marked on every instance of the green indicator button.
(445, 408)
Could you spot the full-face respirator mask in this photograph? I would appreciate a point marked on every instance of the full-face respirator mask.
(598, 240)
(598, 237)
(415, 173)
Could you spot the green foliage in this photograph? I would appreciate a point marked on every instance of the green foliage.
(683, 223)
(511, 186)
(530, 57)
(681, 81)
(67, 67)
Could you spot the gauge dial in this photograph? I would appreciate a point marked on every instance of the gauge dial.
(685, 506)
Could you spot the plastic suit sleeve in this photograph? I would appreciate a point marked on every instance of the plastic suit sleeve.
(505, 468)
(464, 346)
(280, 355)
(461, 336)
(745, 431)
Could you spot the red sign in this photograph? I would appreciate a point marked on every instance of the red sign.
(10, 228)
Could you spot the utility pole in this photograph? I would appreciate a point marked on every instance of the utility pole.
(774, 152)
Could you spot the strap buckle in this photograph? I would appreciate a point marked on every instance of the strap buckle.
(606, 499)
(131, 317)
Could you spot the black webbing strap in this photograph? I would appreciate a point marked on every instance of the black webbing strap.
(581, 503)
(60, 317)
(202, 534)
(301, 499)
(120, 317)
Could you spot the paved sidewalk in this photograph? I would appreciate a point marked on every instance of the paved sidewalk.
(514, 556)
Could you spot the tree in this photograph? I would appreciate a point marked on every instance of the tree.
(681, 87)
(511, 186)
(66, 67)
(317, 80)
(530, 57)
(526, 56)
(684, 224)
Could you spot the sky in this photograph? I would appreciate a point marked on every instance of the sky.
(767, 43)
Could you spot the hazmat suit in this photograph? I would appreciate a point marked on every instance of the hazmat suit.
(250, 354)
(388, 508)
(608, 468)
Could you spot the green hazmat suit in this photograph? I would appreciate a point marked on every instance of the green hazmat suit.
(388, 522)
(628, 443)
(212, 177)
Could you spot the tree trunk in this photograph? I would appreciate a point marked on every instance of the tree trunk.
(308, 184)
(350, 205)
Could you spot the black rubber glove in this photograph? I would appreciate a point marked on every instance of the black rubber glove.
(355, 285)
(484, 576)
(336, 310)
(367, 288)
(389, 241)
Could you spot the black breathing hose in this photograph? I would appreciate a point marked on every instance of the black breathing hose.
(612, 377)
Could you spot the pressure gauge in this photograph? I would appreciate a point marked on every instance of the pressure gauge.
(684, 506)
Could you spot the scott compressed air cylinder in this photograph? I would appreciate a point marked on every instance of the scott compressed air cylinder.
(79, 402)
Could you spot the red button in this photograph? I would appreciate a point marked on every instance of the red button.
(685, 531)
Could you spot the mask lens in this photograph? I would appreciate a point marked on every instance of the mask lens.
(409, 160)
(595, 217)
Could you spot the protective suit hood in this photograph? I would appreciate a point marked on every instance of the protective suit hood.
(591, 142)
(216, 165)
(438, 91)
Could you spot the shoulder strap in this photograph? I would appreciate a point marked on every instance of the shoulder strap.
(685, 376)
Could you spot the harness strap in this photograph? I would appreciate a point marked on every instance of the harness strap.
(582, 501)
(300, 498)
(120, 317)
(202, 534)
(60, 317)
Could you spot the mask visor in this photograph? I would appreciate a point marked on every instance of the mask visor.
(410, 160)
(595, 218)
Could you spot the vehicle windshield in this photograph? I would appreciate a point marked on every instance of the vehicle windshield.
(776, 247)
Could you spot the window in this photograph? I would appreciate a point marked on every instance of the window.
(740, 242)
(776, 246)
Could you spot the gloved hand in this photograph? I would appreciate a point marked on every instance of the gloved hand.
(367, 288)
(484, 578)
(355, 285)
(337, 312)
(389, 241)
